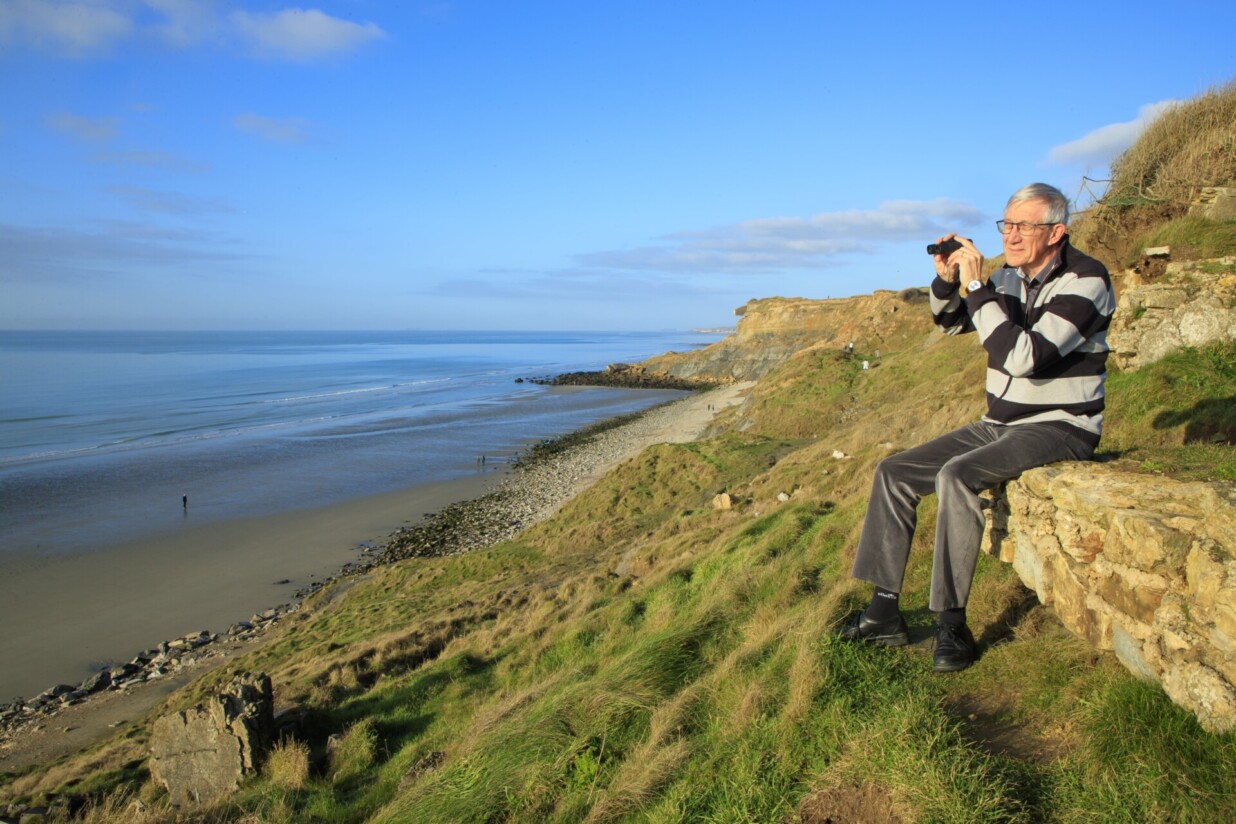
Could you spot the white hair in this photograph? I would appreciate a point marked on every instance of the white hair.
(1057, 203)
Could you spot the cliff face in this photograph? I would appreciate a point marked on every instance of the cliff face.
(773, 329)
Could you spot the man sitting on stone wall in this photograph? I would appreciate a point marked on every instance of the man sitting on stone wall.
(1042, 320)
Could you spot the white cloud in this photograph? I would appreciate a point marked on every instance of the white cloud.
(303, 34)
(76, 29)
(185, 22)
(1104, 144)
(278, 130)
(91, 129)
(766, 245)
(86, 28)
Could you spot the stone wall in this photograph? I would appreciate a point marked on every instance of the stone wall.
(1141, 565)
(1193, 304)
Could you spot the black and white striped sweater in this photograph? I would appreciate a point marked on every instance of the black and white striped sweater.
(1046, 361)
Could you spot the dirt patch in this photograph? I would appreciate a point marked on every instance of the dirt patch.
(848, 804)
(985, 721)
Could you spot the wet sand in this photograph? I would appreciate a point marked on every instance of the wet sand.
(63, 617)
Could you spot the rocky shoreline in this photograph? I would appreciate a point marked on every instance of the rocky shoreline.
(541, 479)
(630, 376)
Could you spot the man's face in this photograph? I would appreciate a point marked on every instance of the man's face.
(1033, 250)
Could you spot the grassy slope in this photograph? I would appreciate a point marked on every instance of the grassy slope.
(644, 657)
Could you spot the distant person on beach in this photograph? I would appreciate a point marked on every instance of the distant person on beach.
(184, 501)
(1042, 319)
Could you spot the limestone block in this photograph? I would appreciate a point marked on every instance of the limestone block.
(1225, 609)
(1204, 575)
(1029, 566)
(1225, 665)
(1135, 593)
(1202, 321)
(1163, 297)
(1200, 689)
(1128, 651)
(1215, 203)
(1175, 626)
(1194, 309)
(1076, 535)
(1138, 539)
(1139, 564)
(200, 755)
(1104, 618)
(1069, 586)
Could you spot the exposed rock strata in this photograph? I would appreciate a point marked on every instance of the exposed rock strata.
(1193, 304)
(772, 330)
(1141, 565)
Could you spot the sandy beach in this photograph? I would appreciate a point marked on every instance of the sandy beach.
(220, 574)
(69, 614)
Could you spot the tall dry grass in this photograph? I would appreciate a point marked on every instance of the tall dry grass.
(1190, 147)
(1193, 145)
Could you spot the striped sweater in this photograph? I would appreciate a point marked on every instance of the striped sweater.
(1046, 360)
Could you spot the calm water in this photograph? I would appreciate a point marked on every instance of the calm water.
(101, 433)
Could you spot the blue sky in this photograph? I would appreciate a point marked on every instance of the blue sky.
(216, 164)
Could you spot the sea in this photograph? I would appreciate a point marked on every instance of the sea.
(154, 484)
(108, 437)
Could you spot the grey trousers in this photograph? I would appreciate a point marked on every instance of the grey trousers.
(956, 466)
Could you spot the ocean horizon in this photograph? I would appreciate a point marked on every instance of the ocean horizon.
(105, 434)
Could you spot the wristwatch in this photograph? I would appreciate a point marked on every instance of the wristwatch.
(974, 284)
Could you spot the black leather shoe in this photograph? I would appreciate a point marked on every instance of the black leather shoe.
(955, 648)
(890, 633)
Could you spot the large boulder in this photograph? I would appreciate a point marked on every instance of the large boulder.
(201, 754)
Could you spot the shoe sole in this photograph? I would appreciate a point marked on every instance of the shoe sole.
(898, 640)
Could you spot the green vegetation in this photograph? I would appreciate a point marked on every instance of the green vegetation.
(1190, 147)
(643, 656)
(1177, 415)
(1193, 238)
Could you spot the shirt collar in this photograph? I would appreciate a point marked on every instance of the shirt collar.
(1042, 274)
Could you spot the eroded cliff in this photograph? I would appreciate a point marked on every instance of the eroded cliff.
(770, 330)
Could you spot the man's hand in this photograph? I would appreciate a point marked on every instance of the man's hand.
(965, 264)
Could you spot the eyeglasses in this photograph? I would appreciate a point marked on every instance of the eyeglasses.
(1006, 226)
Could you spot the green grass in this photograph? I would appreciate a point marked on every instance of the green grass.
(1177, 416)
(1192, 238)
